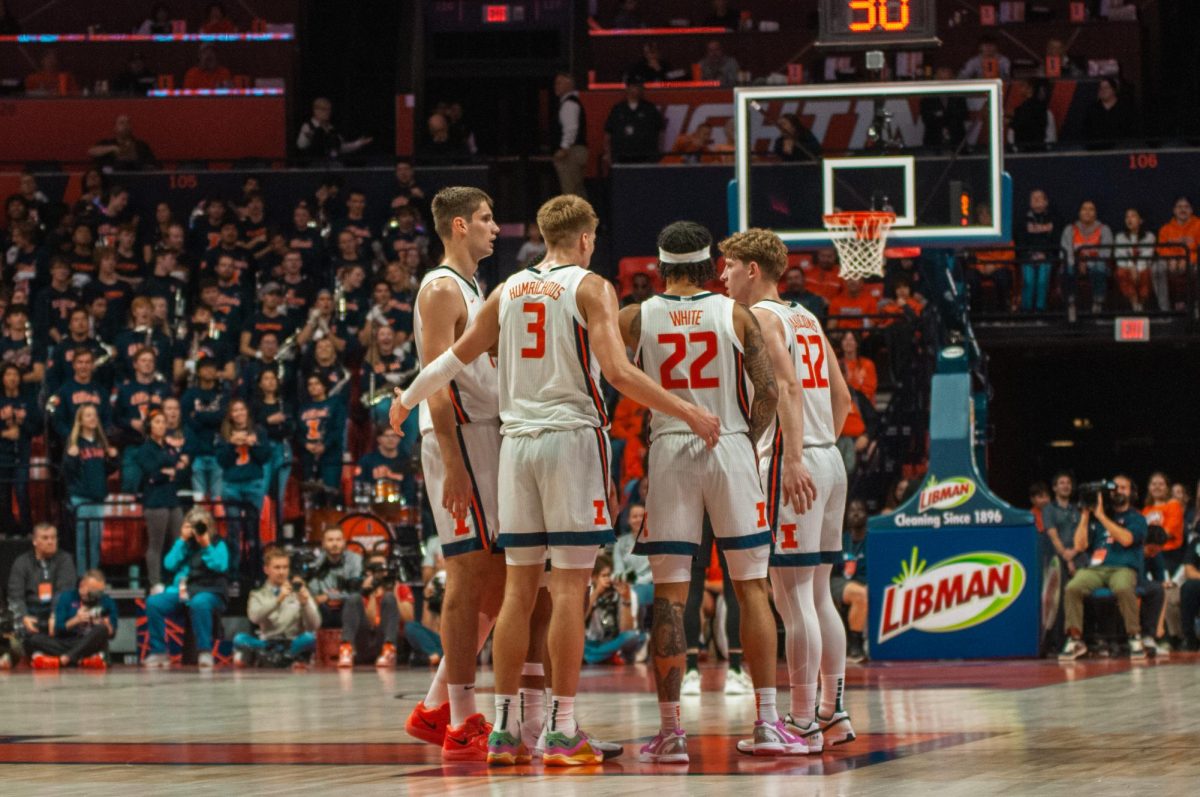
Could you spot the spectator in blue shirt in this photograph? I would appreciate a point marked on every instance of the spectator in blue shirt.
(87, 461)
(1116, 541)
(161, 464)
(243, 452)
(200, 561)
(19, 422)
(81, 390)
(85, 619)
(274, 413)
(203, 411)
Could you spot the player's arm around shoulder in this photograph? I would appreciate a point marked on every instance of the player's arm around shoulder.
(482, 336)
(759, 369)
(598, 306)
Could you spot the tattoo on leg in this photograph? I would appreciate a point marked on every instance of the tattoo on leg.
(667, 631)
(668, 646)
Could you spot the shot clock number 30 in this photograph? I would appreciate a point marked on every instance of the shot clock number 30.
(878, 24)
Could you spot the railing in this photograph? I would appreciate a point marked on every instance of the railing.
(121, 523)
(1150, 279)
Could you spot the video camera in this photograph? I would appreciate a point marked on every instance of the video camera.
(304, 563)
(1090, 493)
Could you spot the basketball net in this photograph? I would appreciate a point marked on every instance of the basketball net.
(860, 238)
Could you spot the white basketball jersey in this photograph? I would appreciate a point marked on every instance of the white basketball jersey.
(474, 391)
(689, 346)
(806, 344)
(549, 378)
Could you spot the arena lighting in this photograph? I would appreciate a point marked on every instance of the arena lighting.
(1062, 443)
(657, 31)
(61, 38)
(265, 92)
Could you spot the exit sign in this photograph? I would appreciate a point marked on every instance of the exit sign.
(1135, 329)
(494, 13)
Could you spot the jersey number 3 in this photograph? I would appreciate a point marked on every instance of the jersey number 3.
(537, 328)
(696, 378)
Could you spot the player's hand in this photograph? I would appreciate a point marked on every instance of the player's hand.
(799, 489)
(706, 426)
(456, 489)
(30, 623)
(614, 502)
(398, 413)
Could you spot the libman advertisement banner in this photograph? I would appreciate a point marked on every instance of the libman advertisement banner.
(967, 593)
(955, 501)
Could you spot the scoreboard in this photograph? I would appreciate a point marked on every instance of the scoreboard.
(877, 24)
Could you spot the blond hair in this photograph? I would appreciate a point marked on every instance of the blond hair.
(77, 427)
(761, 246)
(565, 217)
(454, 202)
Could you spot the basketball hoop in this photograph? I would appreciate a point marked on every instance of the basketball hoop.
(860, 238)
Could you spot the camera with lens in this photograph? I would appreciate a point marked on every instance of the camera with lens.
(1091, 493)
(383, 574)
(437, 594)
(304, 564)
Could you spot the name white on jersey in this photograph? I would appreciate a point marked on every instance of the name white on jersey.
(549, 378)
(688, 345)
(806, 344)
(474, 392)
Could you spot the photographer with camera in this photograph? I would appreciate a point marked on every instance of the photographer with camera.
(199, 560)
(37, 579)
(608, 623)
(1114, 532)
(85, 619)
(335, 573)
(286, 615)
(371, 621)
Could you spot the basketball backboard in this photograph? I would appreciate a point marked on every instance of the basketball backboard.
(931, 152)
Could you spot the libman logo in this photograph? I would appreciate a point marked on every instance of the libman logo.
(945, 494)
(951, 595)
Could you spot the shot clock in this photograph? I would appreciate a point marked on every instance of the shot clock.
(877, 24)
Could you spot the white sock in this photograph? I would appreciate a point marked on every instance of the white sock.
(562, 715)
(533, 707)
(438, 694)
(506, 713)
(462, 702)
(764, 702)
(832, 687)
(668, 711)
(804, 703)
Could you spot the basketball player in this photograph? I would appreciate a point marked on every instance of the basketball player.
(705, 348)
(806, 544)
(556, 330)
(460, 452)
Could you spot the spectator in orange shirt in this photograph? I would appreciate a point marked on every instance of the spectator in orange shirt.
(215, 20)
(51, 79)
(860, 371)
(846, 309)
(693, 147)
(628, 426)
(207, 74)
(823, 278)
(1163, 510)
(1182, 230)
